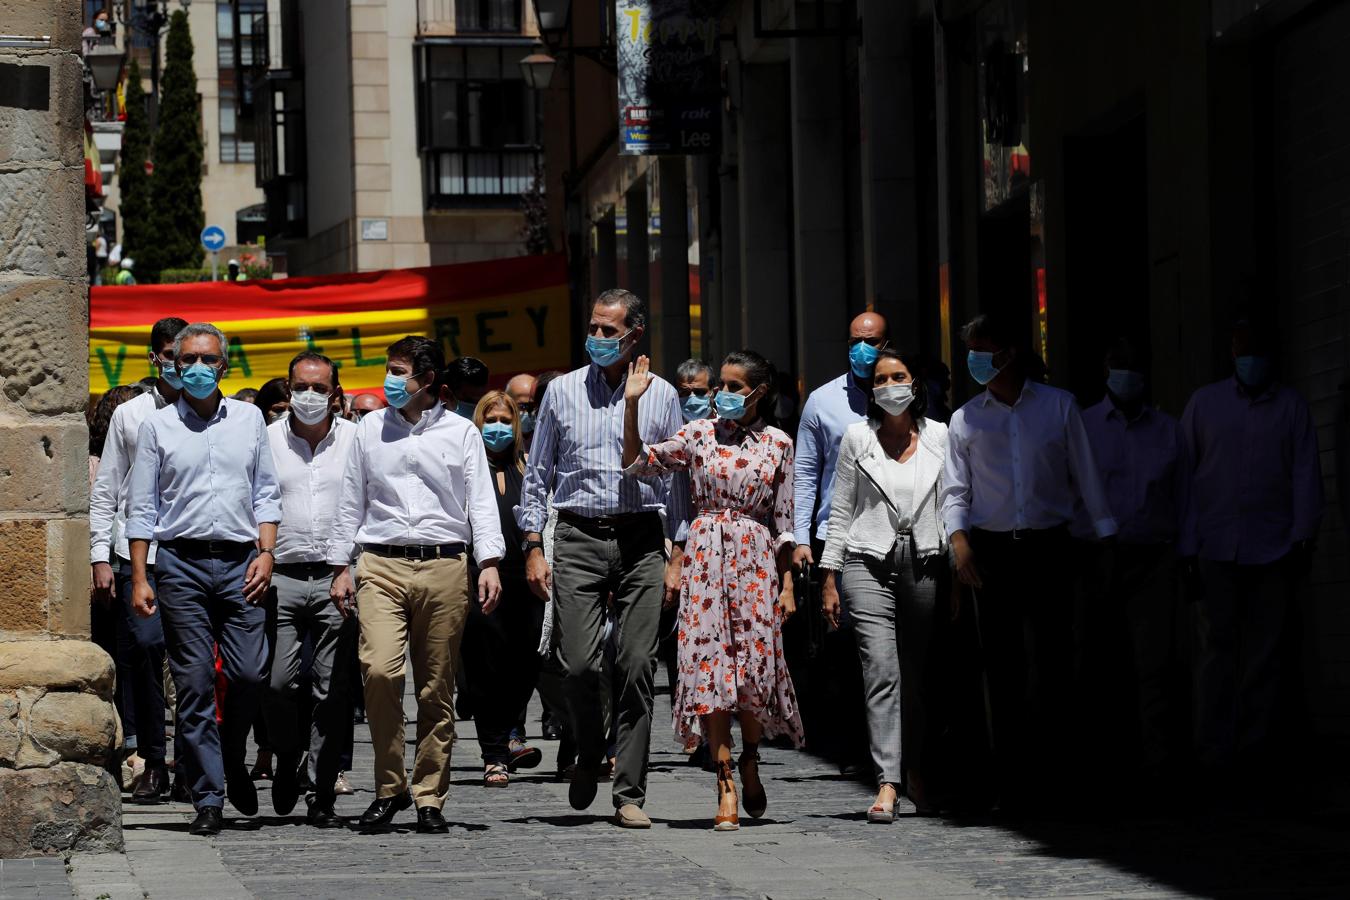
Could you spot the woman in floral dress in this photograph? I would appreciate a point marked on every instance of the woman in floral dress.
(733, 596)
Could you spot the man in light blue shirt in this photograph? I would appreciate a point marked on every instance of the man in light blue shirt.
(204, 487)
(828, 412)
(610, 539)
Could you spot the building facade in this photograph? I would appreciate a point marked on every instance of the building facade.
(223, 48)
(395, 133)
(1098, 170)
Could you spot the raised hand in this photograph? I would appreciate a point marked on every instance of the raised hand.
(639, 377)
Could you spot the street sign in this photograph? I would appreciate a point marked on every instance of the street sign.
(213, 238)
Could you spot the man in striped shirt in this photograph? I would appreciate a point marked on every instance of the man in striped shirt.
(609, 542)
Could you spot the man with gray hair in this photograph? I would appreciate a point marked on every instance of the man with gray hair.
(694, 383)
(204, 487)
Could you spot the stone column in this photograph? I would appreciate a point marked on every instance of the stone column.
(672, 345)
(638, 241)
(819, 220)
(765, 216)
(57, 724)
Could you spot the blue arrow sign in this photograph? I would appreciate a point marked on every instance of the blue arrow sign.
(213, 237)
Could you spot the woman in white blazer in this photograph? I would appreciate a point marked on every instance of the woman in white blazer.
(886, 539)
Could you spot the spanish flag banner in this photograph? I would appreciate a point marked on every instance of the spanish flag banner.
(510, 313)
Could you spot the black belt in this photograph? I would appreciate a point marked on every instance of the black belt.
(416, 551)
(196, 547)
(1024, 534)
(605, 523)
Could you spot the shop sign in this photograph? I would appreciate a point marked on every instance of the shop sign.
(670, 92)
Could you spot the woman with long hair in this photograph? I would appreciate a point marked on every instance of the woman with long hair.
(885, 537)
(500, 649)
(734, 595)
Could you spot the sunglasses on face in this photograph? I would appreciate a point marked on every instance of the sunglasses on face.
(697, 392)
(874, 341)
(206, 359)
(321, 389)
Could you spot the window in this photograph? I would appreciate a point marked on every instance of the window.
(238, 51)
(487, 15)
(478, 123)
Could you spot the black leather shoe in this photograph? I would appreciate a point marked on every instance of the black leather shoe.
(430, 821)
(323, 816)
(239, 788)
(154, 785)
(382, 812)
(552, 732)
(285, 788)
(581, 793)
(180, 793)
(207, 822)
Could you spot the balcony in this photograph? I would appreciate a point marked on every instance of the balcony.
(480, 178)
(470, 17)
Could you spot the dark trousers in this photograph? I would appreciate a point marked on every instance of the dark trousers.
(203, 607)
(1025, 625)
(590, 564)
(1245, 614)
(140, 655)
(1128, 683)
(304, 614)
(501, 660)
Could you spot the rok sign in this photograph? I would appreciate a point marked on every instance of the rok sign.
(669, 84)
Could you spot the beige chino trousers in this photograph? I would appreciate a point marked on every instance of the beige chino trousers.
(421, 606)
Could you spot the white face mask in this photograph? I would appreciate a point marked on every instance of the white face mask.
(310, 407)
(893, 398)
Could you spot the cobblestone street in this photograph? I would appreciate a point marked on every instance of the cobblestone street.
(527, 842)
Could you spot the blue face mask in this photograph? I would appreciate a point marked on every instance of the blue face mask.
(464, 408)
(730, 406)
(169, 372)
(1253, 371)
(695, 407)
(396, 391)
(981, 366)
(526, 422)
(200, 380)
(1125, 384)
(605, 351)
(498, 436)
(862, 359)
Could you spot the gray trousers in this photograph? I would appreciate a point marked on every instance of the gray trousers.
(1243, 614)
(892, 604)
(304, 611)
(591, 564)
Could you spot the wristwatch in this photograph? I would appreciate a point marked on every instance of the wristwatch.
(529, 545)
(270, 551)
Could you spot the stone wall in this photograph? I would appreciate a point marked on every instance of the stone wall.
(57, 724)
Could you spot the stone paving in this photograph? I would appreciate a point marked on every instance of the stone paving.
(525, 841)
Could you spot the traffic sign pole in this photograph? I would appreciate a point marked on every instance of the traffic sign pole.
(213, 239)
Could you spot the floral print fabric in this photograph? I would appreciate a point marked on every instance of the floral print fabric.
(730, 634)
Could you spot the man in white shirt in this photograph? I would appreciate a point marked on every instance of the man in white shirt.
(203, 487)
(415, 494)
(310, 447)
(1018, 464)
(1129, 592)
(108, 503)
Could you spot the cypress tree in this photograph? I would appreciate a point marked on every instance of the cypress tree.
(132, 180)
(177, 183)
